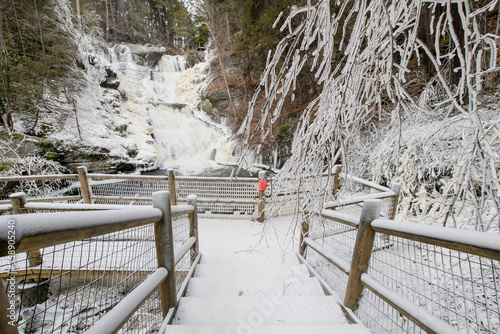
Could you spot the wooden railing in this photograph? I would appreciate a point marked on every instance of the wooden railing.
(87, 196)
(367, 226)
(252, 196)
(31, 232)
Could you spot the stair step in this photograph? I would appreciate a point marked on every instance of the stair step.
(271, 271)
(271, 310)
(247, 329)
(289, 286)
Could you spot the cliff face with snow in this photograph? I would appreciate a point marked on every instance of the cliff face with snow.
(136, 110)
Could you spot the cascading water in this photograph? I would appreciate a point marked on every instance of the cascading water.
(186, 138)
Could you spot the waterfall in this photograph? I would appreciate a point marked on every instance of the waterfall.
(186, 138)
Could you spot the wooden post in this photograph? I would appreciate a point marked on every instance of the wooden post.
(362, 252)
(84, 185)
(165, 250)
(336, 180)
(193, 226)
(262, 199)
(393, 202)
(18, 201)
(304, 232)
(171, 187)
(8, 315)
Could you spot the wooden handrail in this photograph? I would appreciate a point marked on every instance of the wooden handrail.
(472, 242)
(360, 199)
(182, 250)
(338, 262)
(40, 230)
(39, 177)
(340, 217)
(364, 182)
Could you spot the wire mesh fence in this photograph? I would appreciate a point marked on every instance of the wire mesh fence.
(180, 230)
(76, 283)
(459, 288)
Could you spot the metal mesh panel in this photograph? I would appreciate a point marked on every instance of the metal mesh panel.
(459, 288)
(332, 236)
(126, 188)
(380, 317)
(148, 318)
(180, 230)
(217, 189)
(220, 190)
(78, 282)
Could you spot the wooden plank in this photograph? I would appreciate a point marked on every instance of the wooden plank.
(222, 200)
(8, 313)
(183, 249)
(5, 207)
(304, 233)
(361, 253)
(40, 230)
(127, 177)
(364, 182)
(49, 273)
(193, 227)
(55, 199)
(359, 199)
(39, 177)
(472, 242)
(122, 198)
(80, 207)
(217, 179)
(171, 187)
(339, 217)
(165, 250)
(84, 185)
(331, 257)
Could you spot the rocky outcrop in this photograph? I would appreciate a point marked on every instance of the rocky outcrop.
(215, 98)
(96, 159)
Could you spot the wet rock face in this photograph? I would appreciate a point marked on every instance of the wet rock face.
(147, 55)
(111, 80)
(215, 99)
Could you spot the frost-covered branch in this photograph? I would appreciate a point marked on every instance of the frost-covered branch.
(364, 55)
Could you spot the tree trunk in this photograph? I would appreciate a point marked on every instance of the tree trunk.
(459, 30)
(78, 18)
(2, 18)
(426, 36)
(106, 38)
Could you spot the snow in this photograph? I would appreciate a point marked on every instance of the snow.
(485, 241)
(247, 242)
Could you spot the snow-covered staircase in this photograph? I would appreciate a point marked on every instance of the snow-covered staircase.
(228, 295)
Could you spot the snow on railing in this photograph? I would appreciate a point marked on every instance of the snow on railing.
(217, 196)
(79, 266)
(402, 277)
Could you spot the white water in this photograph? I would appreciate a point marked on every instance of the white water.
(165, 95)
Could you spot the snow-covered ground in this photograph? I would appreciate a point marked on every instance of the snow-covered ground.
(247, 240)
